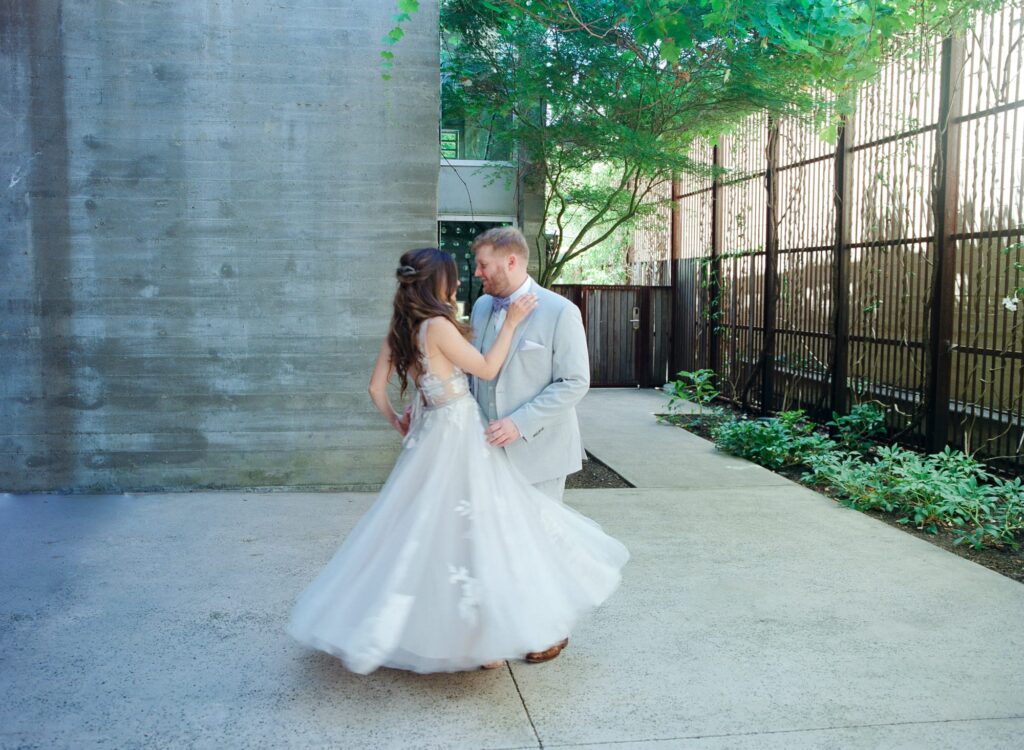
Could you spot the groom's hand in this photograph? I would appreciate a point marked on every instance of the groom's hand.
(405, 421)
(501, 432)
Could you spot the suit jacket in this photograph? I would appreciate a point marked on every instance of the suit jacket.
(546, 373)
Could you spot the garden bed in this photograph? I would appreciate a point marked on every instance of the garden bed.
(1004, 561)
(595, 475)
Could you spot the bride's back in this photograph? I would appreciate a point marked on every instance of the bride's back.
(437, 377)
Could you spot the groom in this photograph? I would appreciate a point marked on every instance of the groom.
(531, 405)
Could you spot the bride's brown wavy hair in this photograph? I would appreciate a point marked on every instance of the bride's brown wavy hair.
(427, 281)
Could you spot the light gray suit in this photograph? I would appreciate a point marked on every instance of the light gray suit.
(545, 375)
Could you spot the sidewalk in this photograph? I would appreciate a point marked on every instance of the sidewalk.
(754, 613)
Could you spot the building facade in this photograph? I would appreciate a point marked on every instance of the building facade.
(204, 204)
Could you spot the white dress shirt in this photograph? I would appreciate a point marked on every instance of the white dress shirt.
(498, 318)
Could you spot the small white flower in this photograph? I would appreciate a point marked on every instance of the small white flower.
(1010, 303)
(457, 575)
(469, 599)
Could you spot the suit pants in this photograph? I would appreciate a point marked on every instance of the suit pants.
(553, 488)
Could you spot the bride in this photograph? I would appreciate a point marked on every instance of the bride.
(460, 563)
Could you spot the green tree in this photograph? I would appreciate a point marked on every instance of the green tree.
(631, 84)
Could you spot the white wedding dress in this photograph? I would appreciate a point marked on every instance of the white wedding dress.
(459, 561)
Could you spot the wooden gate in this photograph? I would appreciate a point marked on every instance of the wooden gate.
(627, 332)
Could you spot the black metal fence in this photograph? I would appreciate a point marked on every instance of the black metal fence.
(885, 267)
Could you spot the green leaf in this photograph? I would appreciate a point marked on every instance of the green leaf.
(610, 97)
(830, 133)
(408, 6)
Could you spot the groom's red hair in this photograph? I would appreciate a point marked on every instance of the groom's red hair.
(504, 240)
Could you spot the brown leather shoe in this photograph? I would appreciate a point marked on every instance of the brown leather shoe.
(536, 657)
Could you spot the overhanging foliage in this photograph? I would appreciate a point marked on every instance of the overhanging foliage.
(629, 85)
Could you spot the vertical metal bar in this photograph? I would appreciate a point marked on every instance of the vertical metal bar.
(947, 154)
(838, 394)
(675, 333)
(714, 268)
(771, 250)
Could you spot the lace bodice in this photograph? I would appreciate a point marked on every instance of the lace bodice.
(438, 391)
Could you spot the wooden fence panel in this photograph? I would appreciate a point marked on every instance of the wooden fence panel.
(624, 354)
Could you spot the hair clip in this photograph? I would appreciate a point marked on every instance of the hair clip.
(406, 271)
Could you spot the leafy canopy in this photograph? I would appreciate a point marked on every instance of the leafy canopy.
(629, 85)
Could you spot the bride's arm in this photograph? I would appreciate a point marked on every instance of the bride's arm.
(379, 387)
(465, 356)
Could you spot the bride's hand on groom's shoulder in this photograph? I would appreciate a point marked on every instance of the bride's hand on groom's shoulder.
(520, 308)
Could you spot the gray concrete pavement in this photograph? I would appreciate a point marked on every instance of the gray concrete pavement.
(754, 614)
(619, 428)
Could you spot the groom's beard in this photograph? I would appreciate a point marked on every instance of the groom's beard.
(497, 287)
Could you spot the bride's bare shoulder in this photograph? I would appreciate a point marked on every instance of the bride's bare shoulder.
(440, 325)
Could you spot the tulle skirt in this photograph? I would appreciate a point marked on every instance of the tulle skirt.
(458, 562)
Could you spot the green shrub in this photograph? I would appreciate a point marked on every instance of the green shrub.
(996, 515)
(697, 386)
(855, 430)
(948, 490)
(773, 442)
(942, 490)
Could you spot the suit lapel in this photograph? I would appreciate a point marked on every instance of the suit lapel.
(517, 337)
(481, 324)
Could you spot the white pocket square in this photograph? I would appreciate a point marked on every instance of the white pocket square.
(529, 346)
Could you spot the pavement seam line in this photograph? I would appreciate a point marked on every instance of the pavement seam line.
(792, 731)
(540, 742)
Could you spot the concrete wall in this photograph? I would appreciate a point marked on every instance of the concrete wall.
(530, 211)
(202, 207)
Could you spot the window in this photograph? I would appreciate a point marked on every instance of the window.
(455, 237)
